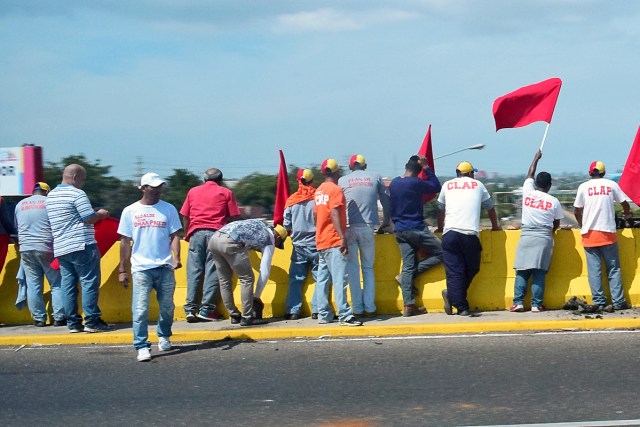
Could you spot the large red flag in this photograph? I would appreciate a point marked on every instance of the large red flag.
(630, 179)
(427, 150)
(282, 191)
(533, 103)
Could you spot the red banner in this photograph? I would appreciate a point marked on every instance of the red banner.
(533, 103)
(282, 192)
(630, 179)
(427, 150)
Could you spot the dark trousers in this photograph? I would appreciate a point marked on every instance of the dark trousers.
(461, 257)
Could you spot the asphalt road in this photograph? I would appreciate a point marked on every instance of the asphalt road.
(439, 381)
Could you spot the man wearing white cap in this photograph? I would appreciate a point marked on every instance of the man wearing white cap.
(362, 190)
(36, 256)
(595, 213)
(152, 224)
(459, 205)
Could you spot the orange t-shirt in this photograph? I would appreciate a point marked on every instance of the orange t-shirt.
(594, 238)
(329, 196)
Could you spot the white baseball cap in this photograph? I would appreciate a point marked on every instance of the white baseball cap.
(152, 179)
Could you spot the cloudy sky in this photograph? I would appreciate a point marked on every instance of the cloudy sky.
(194, 84)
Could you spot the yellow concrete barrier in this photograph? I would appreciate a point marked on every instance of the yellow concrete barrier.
(492, 289)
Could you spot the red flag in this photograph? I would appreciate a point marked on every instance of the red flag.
(282, 192)
(427, 150)
(630, 179)
(533, 103)
(106, 234)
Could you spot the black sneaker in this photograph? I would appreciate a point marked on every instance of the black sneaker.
(191, 317)
(235, 319)
(624, 306)
(351, 321)
(99, 326)
(40, 323)
(74, 329)
(314, 316)
(258, 307)
(250, 321)
(447, 304)
(62, 322)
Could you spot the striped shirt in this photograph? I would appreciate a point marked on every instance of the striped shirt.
(67, 208)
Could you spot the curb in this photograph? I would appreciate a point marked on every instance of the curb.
(331, 331)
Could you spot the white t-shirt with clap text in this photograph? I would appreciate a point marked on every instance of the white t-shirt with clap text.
(597, 197)
(462, 199)
(150, 228)
(539, 209)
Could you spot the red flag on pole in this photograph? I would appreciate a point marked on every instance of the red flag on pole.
(282, 191)
(427, 150)
(533, 103)
(630, 179)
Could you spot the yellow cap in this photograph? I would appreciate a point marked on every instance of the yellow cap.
(42, 186)
(465, 167)
(330, 164)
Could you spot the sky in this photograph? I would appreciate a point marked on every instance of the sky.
(155, 85)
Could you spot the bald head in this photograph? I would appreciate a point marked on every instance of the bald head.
(214, 175)
(74, 175)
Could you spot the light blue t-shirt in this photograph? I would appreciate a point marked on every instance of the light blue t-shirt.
(150, 228)
(34, 230)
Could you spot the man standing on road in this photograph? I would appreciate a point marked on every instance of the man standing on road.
(331, 242)
(72, 217)
(459, 205)
(412, 234)
(299, 222)
(230, 247)
(362, 189)
(153, 225)
(541, 214)
(36, 253)
(207, 208)
(595, 213)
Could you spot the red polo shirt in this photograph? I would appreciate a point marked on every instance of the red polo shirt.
(208, 206)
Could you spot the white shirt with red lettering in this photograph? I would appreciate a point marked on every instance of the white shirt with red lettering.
(597, 197)
(539, 209)
(462, 199)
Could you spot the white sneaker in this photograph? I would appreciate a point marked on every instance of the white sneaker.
(144, 354)
(164, 344)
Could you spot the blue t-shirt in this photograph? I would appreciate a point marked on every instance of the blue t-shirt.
(407, 212)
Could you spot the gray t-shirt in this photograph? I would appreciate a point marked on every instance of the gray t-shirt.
(34, 231)
(362, 190)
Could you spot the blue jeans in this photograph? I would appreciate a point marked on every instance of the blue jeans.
(537, 286)
(83, 266)
(360, 238)
(37, 265)
(412, 243)
(461, 257)
(332, 266)
(200, 264)
(302, 258)
(608, 253)
(162, 279)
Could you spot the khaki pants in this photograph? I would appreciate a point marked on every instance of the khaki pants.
(229, 256)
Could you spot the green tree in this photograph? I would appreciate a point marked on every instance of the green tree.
(178, 185)
(257, 190)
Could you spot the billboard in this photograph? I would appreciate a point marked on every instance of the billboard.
(20, 169)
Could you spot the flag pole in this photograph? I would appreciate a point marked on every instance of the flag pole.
(544, 136)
